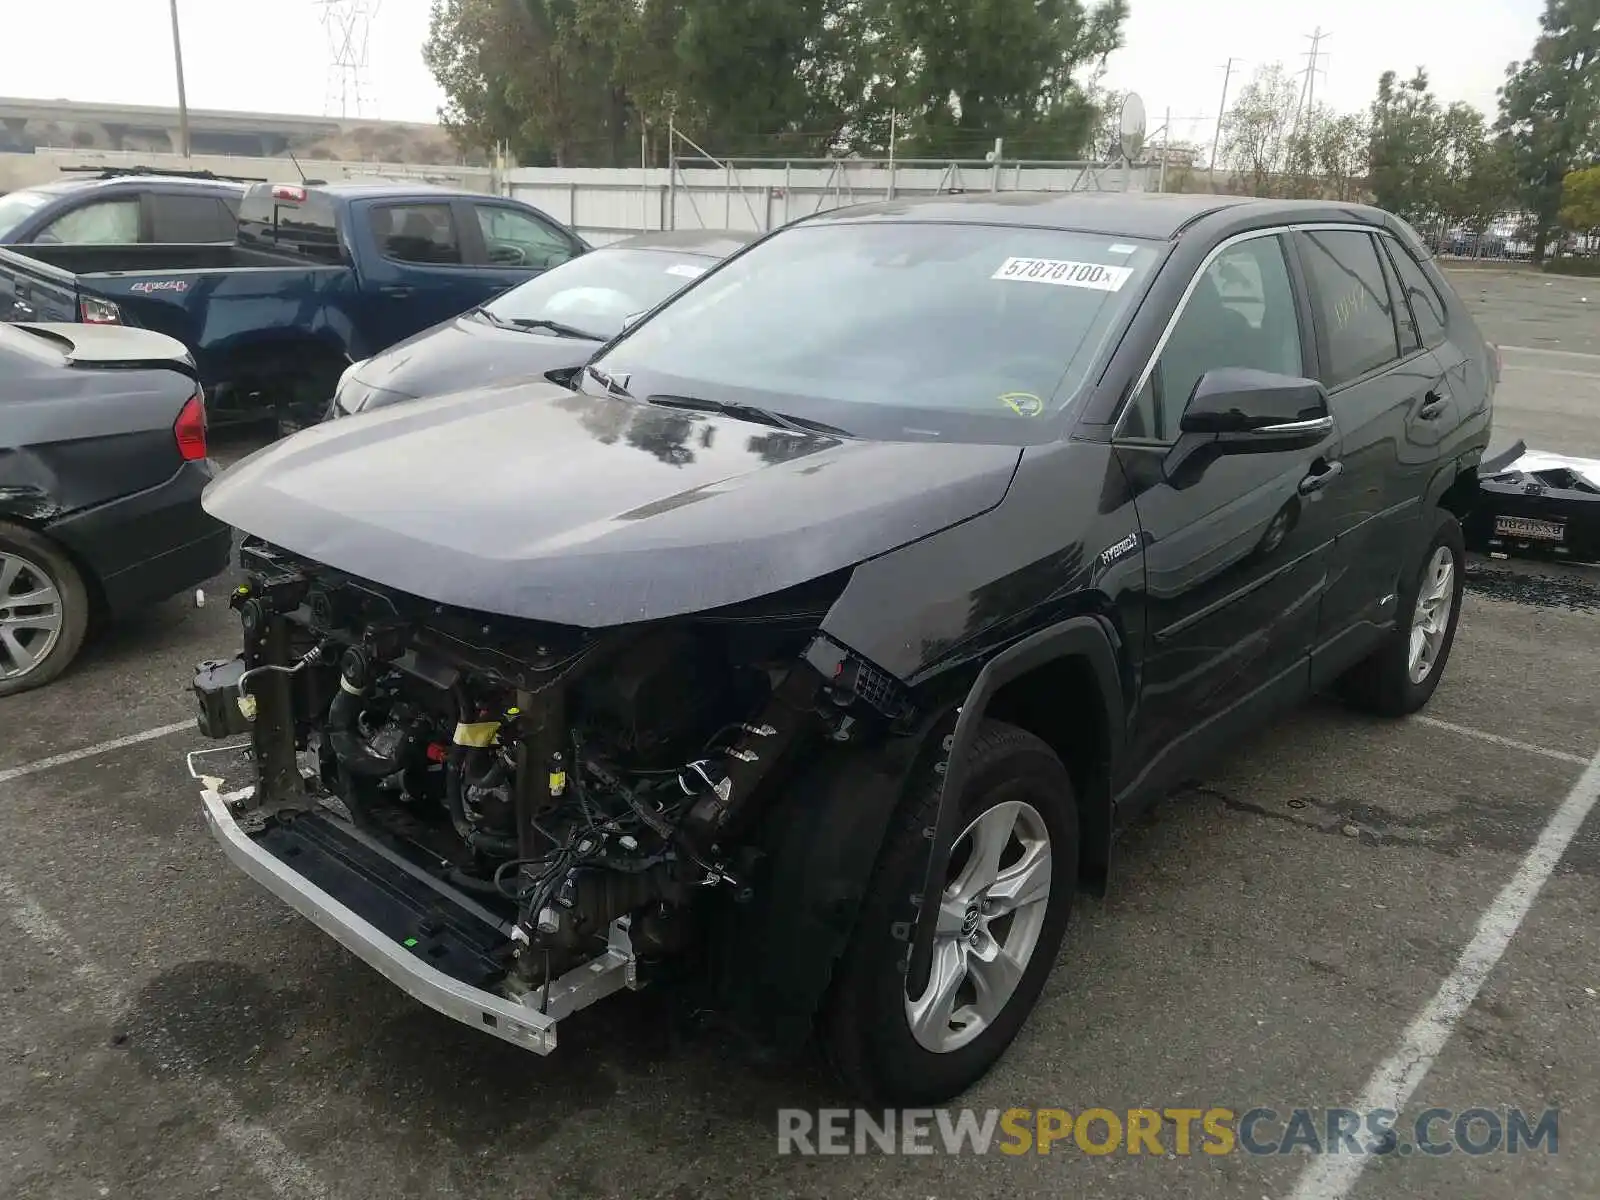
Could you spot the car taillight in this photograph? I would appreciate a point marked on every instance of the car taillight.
(287, 191)
(190, 429)
(92, 311)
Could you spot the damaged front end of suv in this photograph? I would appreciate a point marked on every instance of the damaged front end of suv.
(511, 819)
(516, 807)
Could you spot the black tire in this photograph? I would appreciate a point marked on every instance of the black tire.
(865, 1028)
(40, 555)
(1381, 683)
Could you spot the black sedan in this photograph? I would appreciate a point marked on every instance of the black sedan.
(102, 461)
(549, 324)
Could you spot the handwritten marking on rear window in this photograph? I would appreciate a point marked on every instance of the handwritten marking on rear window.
(1064, 273)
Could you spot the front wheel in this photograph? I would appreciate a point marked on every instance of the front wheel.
(1002, 914)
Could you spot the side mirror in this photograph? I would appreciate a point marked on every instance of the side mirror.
(1257, 410)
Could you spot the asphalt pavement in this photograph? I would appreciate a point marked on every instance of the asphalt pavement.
(1305, 926)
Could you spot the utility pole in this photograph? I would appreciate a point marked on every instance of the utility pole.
(1222, 110)
(1166, 151)
(894, 129)
(183, 99)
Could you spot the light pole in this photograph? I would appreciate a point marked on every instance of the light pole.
(183, 100)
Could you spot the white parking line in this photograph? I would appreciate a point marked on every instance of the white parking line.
(1562, 371)
(1495, 739)
(288, 1175)
(60, 760)
(1332, 1176)
(1555, 353)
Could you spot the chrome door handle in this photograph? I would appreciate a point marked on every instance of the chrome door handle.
(1318, 480)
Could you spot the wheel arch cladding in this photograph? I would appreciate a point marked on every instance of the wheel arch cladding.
(774, 952)
(1459, 494)
(1083, 723)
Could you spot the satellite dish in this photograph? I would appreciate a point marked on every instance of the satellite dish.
(1130, 137)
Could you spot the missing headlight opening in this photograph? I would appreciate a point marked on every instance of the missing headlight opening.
(528, 805)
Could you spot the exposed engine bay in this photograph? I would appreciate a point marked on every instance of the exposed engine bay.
(528, 809)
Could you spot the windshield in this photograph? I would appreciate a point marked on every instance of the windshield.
(597, 291)
(16, 207)
(895, 330)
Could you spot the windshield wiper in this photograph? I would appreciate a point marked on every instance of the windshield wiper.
(607, 381)
(556, 327)
(749, 412)
(571, 331)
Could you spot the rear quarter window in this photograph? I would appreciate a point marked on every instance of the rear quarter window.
(1427, 306)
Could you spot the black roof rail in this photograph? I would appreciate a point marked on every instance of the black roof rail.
(165, 172)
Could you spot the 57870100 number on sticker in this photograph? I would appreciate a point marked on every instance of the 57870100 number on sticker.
(1099, 277)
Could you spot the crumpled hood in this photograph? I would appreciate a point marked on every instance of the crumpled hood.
(463, 352)
(532, 501)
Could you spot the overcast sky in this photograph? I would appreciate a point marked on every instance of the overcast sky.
(237, 57)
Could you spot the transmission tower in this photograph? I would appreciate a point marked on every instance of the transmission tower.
(1308, 87)
(349, 27)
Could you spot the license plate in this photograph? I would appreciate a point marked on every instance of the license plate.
(1526, 527)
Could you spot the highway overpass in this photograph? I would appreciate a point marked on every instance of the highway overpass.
(29, 125)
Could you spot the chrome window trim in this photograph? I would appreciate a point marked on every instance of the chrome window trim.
(1194, 282)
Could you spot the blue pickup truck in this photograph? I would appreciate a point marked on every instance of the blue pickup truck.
(318, 276)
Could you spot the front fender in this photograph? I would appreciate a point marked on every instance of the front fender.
(1086, 637)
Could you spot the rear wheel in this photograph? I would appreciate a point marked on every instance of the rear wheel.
(44, 610)
(1400, 676)
(1002, 915)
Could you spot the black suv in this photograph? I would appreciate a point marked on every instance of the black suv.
(814, 647)
(124, 206)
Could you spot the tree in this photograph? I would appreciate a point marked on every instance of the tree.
(578, 82)
(1550, 110)
(964, 73)
(541, 75)
(1256, 131)
(1474, 183)
(1580, 200)
(1325, 156)
(1103, 142)
(1407, 159)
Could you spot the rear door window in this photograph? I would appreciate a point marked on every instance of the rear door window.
(1427, 307)
(106, 222)
(178, 218)
(418, 233)
(1350, 298)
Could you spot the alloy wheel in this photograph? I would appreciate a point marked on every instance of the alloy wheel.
(1430, 622)
(30, 615)
(990, 918)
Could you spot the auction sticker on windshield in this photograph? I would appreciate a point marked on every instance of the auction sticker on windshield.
(1064, 273)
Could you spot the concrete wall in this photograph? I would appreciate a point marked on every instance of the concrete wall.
(604, 204)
